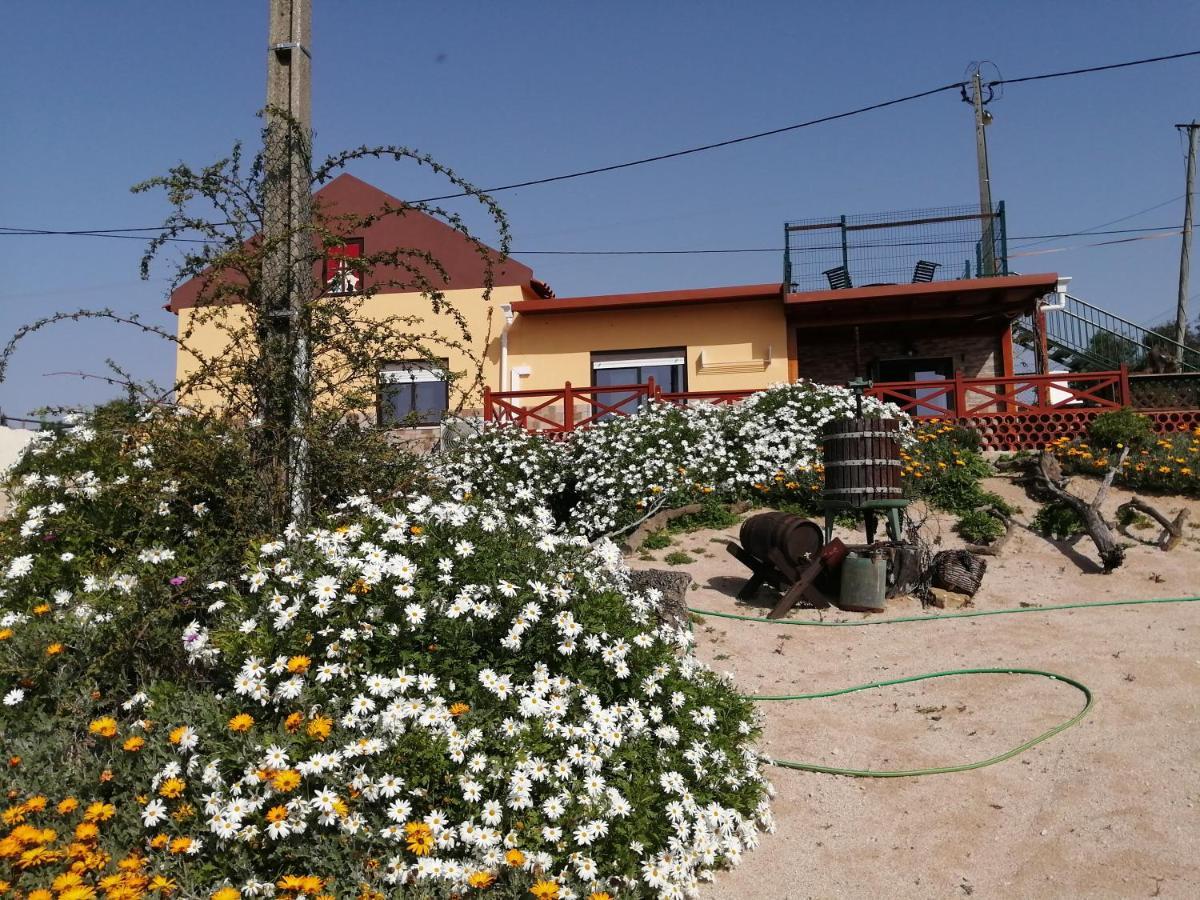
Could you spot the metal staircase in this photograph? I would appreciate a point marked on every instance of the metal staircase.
(1082, 337)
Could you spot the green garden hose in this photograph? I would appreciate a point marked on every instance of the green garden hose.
(936, 770)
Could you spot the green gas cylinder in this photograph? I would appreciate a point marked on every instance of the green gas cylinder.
(864, 583)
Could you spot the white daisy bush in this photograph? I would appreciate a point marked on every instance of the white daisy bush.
(602, 479)
(440, 694)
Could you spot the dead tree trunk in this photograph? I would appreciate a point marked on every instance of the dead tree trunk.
(1112, 554)
(1172, 529)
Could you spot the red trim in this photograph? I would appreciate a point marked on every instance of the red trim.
(650, 300)
(967, 286)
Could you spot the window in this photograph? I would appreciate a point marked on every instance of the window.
(340, 276)
(629, 367)
(413, 392)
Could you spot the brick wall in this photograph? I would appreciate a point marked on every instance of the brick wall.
(830, 359)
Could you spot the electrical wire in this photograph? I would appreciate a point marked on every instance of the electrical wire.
(1090, 69)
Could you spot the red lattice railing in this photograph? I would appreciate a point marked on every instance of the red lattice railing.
(1010, 412)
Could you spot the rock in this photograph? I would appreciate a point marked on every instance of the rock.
(944, 599)
(672, 607)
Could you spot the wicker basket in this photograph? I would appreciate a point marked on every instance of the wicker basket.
(959, 571)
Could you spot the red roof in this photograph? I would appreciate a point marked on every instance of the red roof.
(650, 300)
(459, 257)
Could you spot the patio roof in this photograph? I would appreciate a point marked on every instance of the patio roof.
(1006, 296)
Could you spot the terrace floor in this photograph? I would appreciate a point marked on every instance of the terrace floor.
(1108, 808)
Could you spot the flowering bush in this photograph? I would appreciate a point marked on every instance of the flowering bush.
(439, 694)
(602, 479)
(1167, 464)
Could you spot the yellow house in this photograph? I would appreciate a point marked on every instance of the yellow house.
(696, 341)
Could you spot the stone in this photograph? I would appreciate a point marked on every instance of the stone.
(944, 599)
(673, 585)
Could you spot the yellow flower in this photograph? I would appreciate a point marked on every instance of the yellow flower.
(54, 649)
(86, 831)
(241, 722)
(419, 837)
(66, 880)
(162, 884)
(134, 744)
(417, 529)
(5, 634)
(319, 727)
(40, 894)
(480, 880)
(298, 665)
(277, 814)
(41, 609)
(158, 841)
(544, 890)
(300, 884)
(180, 845)
(227, 893)
(172, 788)
(99, 812)
(78, 892)
(457, 709)
(286, 780)
(514, 857)
(177, 734)
(293, 722)
(105, 727)
(68, 805)
(599, 895)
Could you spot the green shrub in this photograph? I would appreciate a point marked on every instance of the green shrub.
(1058, 520)
(939, 469)
(712, 515)
(1122, 428)
(979, 527)
(656, 540)
(677, 558)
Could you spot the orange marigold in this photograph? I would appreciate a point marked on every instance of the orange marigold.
(105, 727)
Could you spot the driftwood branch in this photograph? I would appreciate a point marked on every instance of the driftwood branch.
(1172, 529)
(996, 546)
(1112, 554)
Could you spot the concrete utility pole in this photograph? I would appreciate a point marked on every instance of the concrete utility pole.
(287, 268)
(1186, 250)
(987, 257)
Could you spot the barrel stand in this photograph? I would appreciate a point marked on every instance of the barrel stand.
(871, 509)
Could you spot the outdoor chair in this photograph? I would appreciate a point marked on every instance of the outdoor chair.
(839, 278)
(923, 271)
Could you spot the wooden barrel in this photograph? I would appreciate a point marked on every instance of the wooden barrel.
(862, 461)
(787, 542)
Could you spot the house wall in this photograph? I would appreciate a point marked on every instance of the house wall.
(829, 358)
(483, 318)
(735, 338)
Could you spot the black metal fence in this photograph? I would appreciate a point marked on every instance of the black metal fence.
(936, 244)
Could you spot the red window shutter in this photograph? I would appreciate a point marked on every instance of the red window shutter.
(339, 277)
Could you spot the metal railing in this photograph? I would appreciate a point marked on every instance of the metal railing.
(1084, 337)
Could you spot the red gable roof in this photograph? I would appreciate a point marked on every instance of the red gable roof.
(458, 256)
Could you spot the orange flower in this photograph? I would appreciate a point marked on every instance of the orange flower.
(457, 709)
(298, 665)
(277, 814)
(105, 727)
(162, 884)
(180, 845)
(86, 831)
(544, 890)
(99, 812)
(158, 841)
(5, 634)
(419, 837)
(241, 722)
(227, 893)
(319, 727)
(134, 744)
(177, 734)
(293, 722)
(68, 805)
(287, 780)
(41, 609)
(54, 649)
(480, 880)
(514, 857)
(172, 788)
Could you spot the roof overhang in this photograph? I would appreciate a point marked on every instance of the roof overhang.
(651, 300)
(1001, 297)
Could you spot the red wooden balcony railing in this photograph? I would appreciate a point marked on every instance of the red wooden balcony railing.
(560, 410)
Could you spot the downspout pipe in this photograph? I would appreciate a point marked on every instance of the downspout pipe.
(505, 377)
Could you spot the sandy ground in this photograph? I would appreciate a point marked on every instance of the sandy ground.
(1106, 809)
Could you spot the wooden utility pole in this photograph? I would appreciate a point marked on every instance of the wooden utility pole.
(987, 256)
(287, 266)
(1186, 250)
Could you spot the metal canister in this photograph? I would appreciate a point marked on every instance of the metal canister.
(864, 583)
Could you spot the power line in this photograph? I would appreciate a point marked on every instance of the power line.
(675, 154)
(1092, 229)
(1089, 69)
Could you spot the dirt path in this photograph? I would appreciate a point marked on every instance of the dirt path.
(1106, 809)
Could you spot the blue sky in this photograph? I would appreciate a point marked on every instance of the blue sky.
(98, 96)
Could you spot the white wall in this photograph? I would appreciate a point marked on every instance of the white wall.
(13, 442)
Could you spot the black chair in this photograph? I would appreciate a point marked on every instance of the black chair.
(923, 271)
(839, 278)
